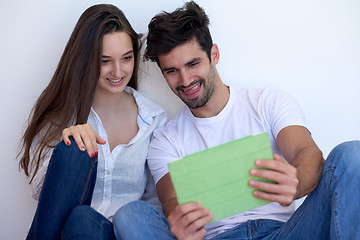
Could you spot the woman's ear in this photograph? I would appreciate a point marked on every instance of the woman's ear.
(215, 54)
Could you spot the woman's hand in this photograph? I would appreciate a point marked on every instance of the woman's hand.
(85, 137)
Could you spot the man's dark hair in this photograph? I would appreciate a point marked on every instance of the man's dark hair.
(169, 30)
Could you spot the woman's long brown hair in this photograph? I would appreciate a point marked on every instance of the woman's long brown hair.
(68, 98)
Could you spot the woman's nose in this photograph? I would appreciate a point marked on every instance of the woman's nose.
(116, 70)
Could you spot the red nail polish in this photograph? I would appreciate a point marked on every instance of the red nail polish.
(92, 155)
(96, 153)
(68, 143)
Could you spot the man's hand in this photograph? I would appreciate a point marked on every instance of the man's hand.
(282, 173)
(187, 221)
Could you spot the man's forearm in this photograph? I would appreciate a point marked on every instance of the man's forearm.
(166, 194)
(309, 163)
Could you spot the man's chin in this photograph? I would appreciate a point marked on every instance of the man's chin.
(194, 103)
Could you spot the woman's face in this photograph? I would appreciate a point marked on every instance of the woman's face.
(117, 62)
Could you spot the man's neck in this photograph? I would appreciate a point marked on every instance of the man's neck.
(216, 103)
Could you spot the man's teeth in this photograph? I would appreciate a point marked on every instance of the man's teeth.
(193, 88)
(115, 80)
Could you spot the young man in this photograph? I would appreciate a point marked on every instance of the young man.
(181, 45)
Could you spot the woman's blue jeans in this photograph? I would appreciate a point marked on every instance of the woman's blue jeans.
(63, 210)
(331, 211)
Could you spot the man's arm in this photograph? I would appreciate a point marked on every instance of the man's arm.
(296, 177)
(299, 148)
(166, 194)
(187, 221)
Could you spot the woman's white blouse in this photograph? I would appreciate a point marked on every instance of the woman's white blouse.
(122, 175)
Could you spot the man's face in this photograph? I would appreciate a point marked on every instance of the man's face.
(189, 73)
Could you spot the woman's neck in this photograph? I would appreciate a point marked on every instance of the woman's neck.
(111, 102)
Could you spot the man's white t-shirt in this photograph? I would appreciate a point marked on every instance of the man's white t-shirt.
(248, 112)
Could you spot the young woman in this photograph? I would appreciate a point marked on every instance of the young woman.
(92, 90)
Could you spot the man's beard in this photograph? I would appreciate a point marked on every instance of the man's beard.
(200, 101)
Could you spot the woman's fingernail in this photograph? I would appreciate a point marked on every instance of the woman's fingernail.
(68, 143)
(83, 148)
(96, 153)
(92, 155)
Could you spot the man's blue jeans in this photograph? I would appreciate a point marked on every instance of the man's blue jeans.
(329, 212)
(63, 210)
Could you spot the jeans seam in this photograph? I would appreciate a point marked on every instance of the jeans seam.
(106, 223)
(87, 181)
(257, 226)
(328, 188)
(335, 204)
(331, 168)
(297, 222)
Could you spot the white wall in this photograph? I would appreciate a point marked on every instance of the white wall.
(309, 48)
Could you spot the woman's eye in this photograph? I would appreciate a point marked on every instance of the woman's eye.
(128, 58)
(105, 61)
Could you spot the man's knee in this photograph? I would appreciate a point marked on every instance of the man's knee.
(136, 215)
(347, 153)
(132, 213)
(348, 146)
(129, 210)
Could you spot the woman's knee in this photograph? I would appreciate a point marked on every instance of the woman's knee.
(86, 222)
(69, 156)
(79, 218)
(62, 149)
(82, 211)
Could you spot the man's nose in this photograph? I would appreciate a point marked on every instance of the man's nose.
(184, 78)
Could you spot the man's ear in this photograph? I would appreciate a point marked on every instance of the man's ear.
(215, 54)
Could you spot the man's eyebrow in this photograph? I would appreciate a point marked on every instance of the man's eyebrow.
(167, 69)
(192, 61)
(128, 52)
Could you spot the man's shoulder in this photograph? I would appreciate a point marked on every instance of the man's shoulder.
(177, 121)
(174, 127)
(256, 93)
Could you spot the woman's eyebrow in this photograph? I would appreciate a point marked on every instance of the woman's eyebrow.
(128, 52)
